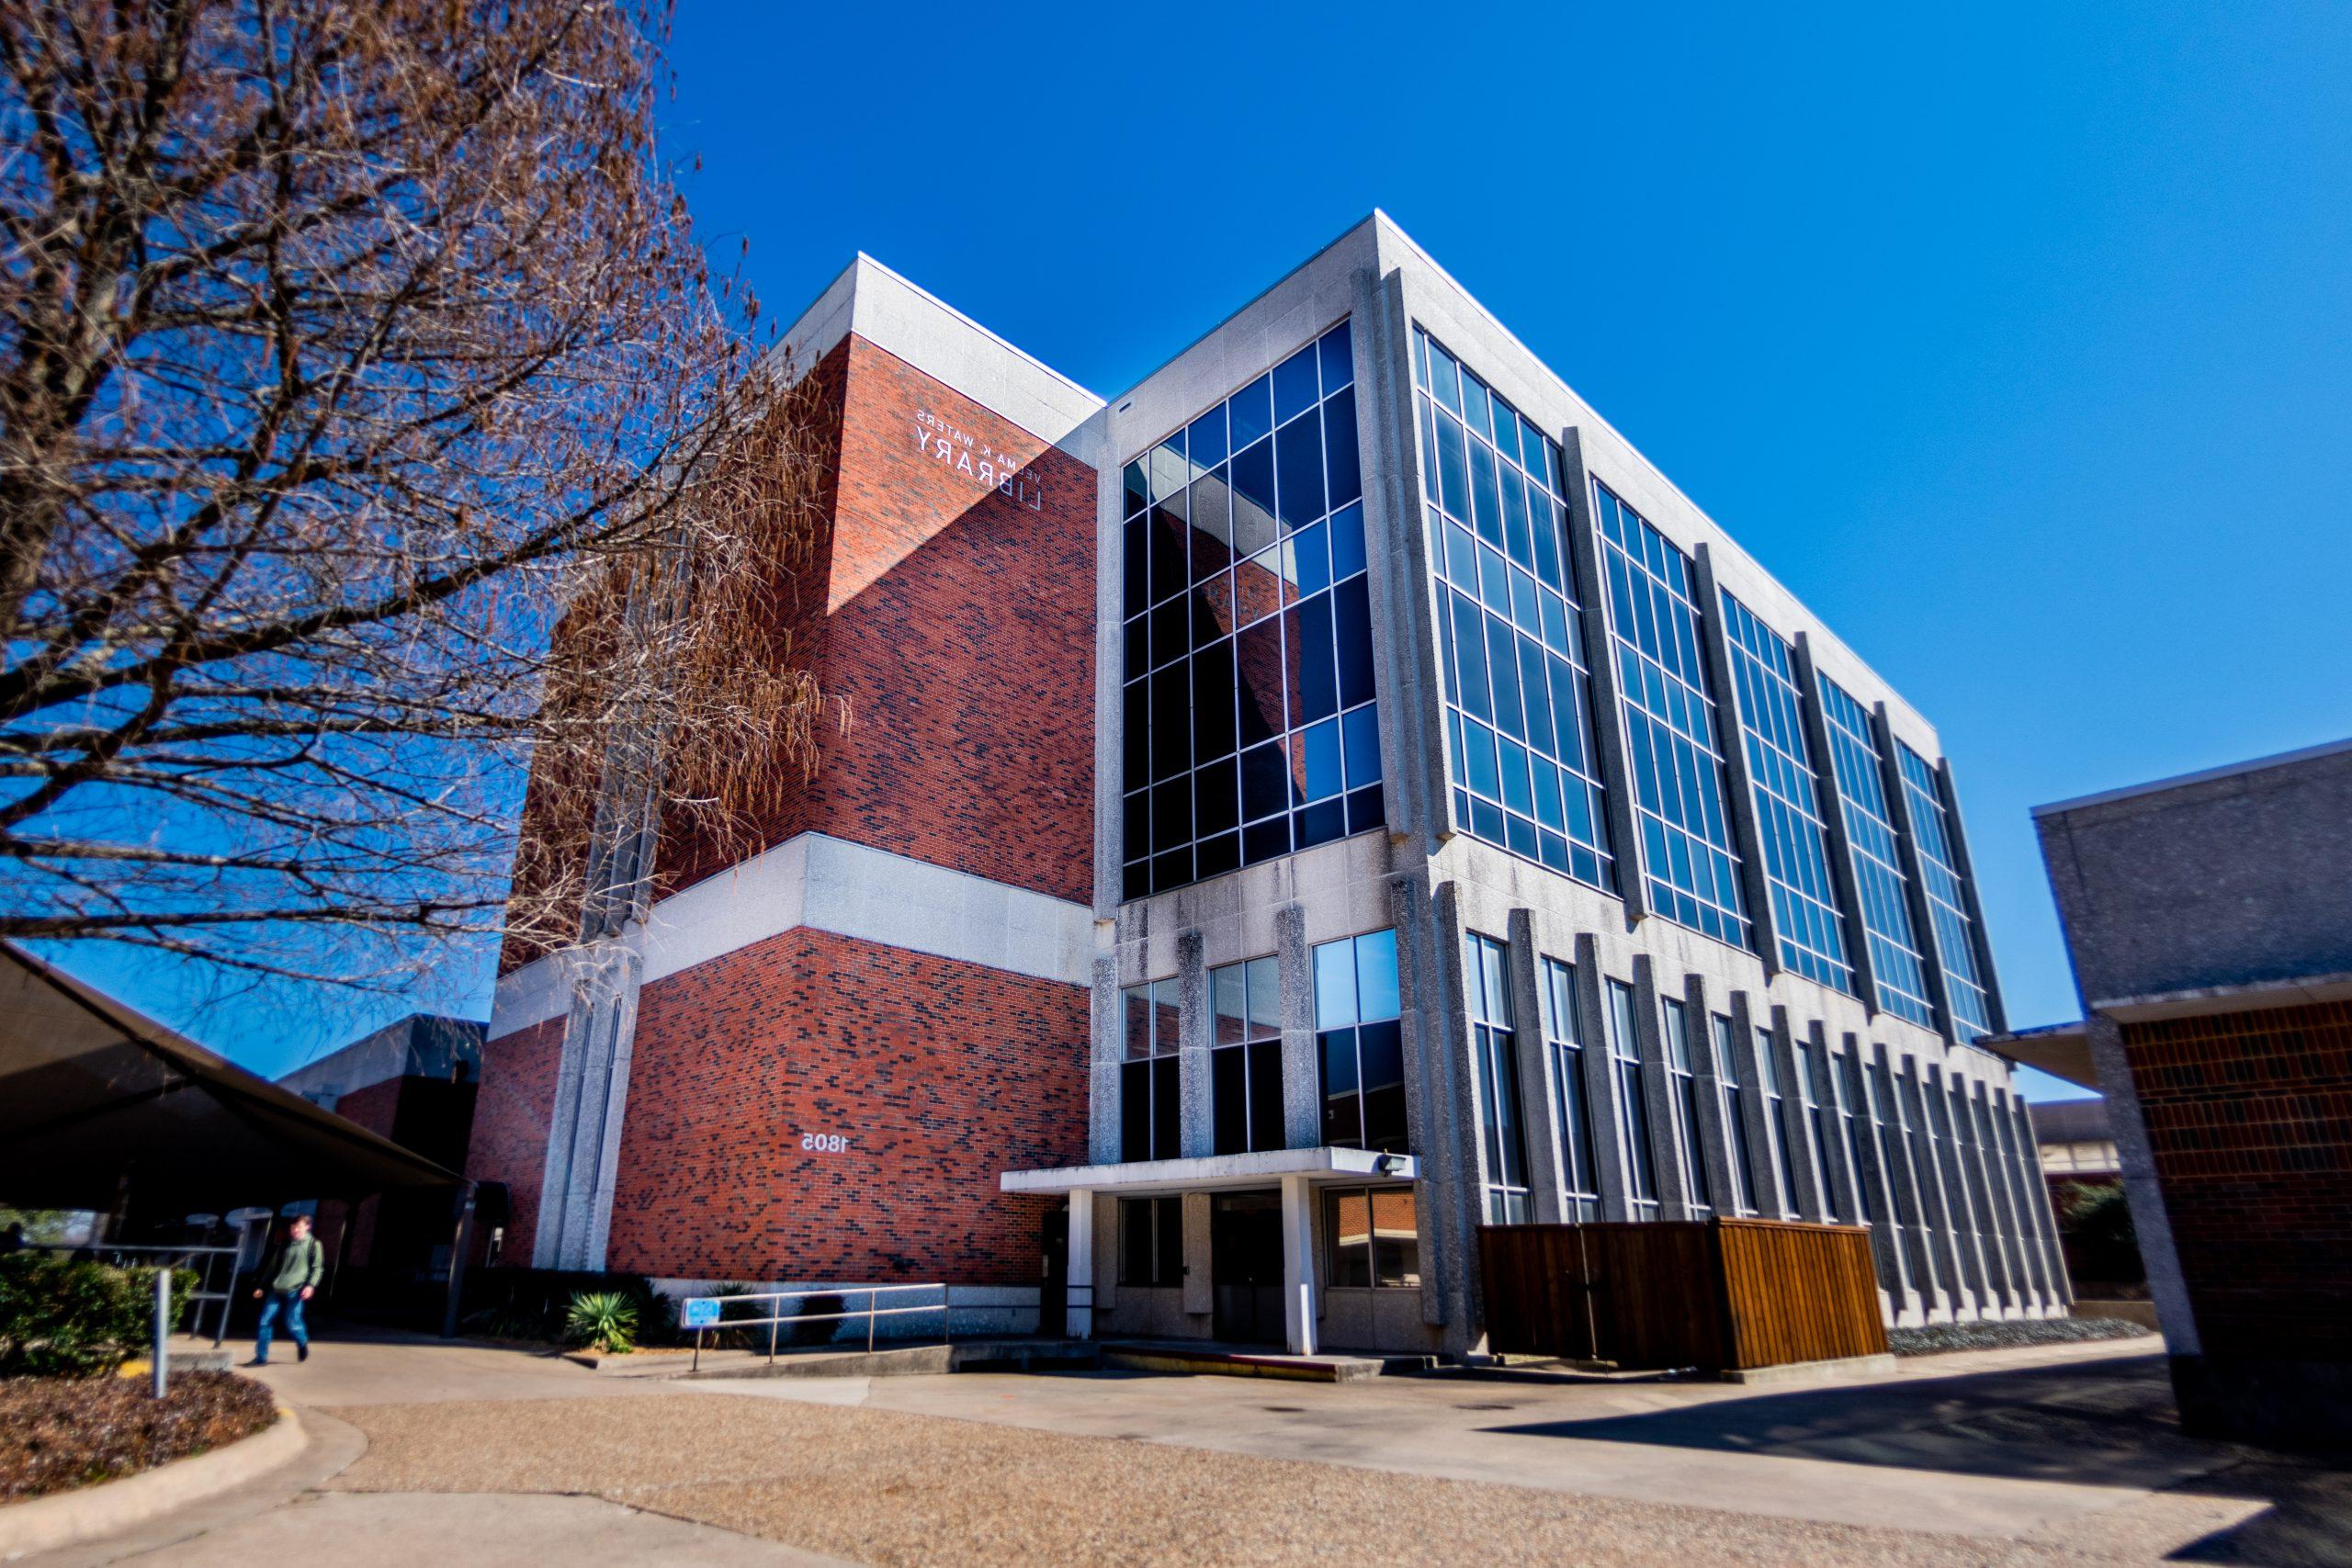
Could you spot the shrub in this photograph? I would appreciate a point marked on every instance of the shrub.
(604, 1321)
(64, 1317)
(2099, 1223)
(536, 1303)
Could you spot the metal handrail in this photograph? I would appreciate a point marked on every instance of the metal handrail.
(772, 1322)
(185, 1250)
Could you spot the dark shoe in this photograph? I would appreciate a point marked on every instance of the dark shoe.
(303, 1352)
(256, 1361)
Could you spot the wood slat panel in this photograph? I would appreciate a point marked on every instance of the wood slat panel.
(1715, 1293)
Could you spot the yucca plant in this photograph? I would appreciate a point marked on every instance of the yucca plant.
(602, 1321)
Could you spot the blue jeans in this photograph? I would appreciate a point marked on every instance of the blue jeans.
(272, 1304)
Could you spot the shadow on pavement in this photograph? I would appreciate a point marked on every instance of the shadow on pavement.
(2109, 1423)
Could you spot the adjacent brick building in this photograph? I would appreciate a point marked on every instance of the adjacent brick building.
(2209, 921)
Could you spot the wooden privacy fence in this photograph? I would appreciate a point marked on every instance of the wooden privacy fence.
(1717, 1294)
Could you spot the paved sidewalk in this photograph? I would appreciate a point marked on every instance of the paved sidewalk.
(477, 1453)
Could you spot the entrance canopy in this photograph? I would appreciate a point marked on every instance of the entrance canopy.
(93, 1092)
(1209, 1172)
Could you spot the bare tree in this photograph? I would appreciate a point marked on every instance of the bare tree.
(346, 350)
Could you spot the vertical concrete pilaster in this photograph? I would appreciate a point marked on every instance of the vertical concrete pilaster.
(1409, 678)
(1106, 1047)
(1838, 1177)
(1930, 1278)
(1539, 1110)
(1081, 1312)
(1601, 1096)
(2151, 1220)
(1773, 1201)
(1950, 1192)
(1739, 785)
(1196, 1113)
(1457, 1146)
(1607, 707)
(1200, 1285)
(1302, 1064)
(1430, 1077)
(1871, 1175)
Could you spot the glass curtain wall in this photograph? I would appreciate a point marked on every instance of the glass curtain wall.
(1743, 1176)
(1947, 898)
(1675, 1028)
(1885, 913)
(1633, 1101)
(1776, 1126)
(1519, 706)
(1249, 728)
(1812, 932)
(1691, 870)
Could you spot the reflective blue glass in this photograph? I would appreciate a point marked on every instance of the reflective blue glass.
(1812, 932)
(1922, 794)
(1885, 913)
(1512, 627)
(1689, 868)
(1250, 628)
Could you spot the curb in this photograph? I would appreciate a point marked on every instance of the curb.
(45, 1524)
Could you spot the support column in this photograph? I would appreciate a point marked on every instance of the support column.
(2151, 1221)
(1429, 1099)
(1539, 1109)
(1302, 1065)
(1299, 1286)
(1455, 1145)
(1106, 1049)
(1199, 1283)
(1079, 1316)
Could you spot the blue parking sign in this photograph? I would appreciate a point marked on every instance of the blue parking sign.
(699, 1312)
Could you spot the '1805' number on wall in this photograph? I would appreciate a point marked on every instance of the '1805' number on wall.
(823, 1143)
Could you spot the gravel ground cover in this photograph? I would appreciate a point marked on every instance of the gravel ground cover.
(58, 1433)
(1939, 1339)
(890, 1488)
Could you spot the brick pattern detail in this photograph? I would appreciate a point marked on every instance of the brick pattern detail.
(510, 1116)
(939, 1073)
(955, 614)
(2249, 1116)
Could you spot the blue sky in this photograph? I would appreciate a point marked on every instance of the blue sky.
(2016, 340)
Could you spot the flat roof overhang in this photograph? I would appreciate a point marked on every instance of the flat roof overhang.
(1211, 1171)
(2064, 1049)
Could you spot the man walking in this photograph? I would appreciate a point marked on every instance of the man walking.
(289, 1275)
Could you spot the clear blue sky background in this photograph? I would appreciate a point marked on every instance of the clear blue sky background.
(2016, 340)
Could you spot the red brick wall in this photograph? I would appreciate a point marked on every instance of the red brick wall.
(940, 1075)
(957, 622)
(2250, 1120)
(510, 1116)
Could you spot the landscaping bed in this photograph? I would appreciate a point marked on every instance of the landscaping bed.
(60, 1433)
(1941, 1339)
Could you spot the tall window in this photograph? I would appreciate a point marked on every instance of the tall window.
(1632, 1102)
(1519, 705)
(1788, 801)
(1373, 1240)
(1688, 862)
(1814, 1096)
(1563, 1048)
(1743, 1173)
(1846, 1100)
(1675, 1026)
(1931, 826)
(1485, 984)
(1776, 1127)
(1250, 729)
(1880, 1125)
(1361, 1044)
(1245, 1056)
(1151, 1241)
(1878, 865)
(1150, 1125)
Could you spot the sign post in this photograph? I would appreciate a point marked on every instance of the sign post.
(698, 1313)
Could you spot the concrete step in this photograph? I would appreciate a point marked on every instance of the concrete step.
(1198, 1361)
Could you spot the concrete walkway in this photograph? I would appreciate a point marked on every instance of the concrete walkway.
(475, 1453)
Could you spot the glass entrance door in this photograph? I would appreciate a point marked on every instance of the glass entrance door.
(1245, 1265)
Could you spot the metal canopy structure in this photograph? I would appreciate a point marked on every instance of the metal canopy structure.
(93, 1094)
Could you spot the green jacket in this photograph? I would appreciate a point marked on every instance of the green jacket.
(294, 1265)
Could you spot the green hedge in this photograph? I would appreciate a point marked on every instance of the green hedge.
(64, 1318)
